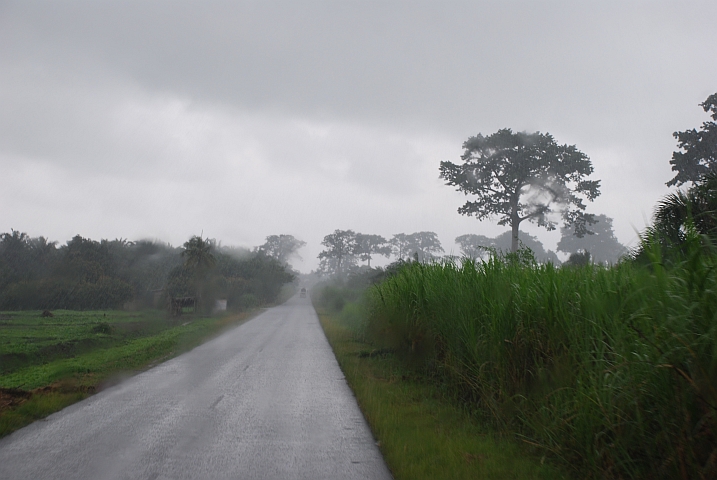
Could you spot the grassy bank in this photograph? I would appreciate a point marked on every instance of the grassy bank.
(423, 434)
(49, 363)
(610, 371)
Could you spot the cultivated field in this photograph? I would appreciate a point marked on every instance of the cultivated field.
(47, 363)
(609, 370)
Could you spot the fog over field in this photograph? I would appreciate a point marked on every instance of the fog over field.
(241, 120)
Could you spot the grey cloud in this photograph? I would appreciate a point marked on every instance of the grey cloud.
(342, 107)
(444, 65)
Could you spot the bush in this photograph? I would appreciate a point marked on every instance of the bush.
(248, 301)
(334, 298)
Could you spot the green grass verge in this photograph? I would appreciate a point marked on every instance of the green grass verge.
(422, 433)
(37, 407)
(36, 390)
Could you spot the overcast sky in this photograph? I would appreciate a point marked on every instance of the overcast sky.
(165, 119)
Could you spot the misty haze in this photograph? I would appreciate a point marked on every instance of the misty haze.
(358, 240)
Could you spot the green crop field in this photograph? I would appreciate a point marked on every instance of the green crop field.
(27, 338)
(47, 363)
(611, 371)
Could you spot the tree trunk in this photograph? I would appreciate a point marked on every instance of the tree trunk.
(514, 220)
(515, 226)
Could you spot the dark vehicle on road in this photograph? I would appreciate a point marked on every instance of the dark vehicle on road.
(302, 293)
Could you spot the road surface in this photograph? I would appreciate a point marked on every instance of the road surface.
(266, 400)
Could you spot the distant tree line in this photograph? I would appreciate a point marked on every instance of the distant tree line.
(599, 246)
(88, 274)
(345, 248)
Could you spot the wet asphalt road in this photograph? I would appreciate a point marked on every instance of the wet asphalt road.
(265, 400)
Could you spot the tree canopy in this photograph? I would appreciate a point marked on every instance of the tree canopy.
(699, 149)
(368, 245)
(602, 244)
(423, 246)
(399, 245)
(84, 273)
(339, 253)
(523, 176)
(474, 246)
(281, 247)
(198, 253)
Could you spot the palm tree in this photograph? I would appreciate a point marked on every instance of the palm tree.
(697, 205)
(198, 254)
(199, 259)
(680, 215)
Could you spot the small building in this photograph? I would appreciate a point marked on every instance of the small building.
(220, 306)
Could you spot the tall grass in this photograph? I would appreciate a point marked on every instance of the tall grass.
(421, 432)
(610, 370)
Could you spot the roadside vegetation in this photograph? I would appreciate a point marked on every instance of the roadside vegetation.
(608, 370)
(423, 432)
(64, 337)
(84, 274)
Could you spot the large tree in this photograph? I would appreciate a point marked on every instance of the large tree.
(424, 246)
(399, 245)
(474, 246)
(602, 244)
(339, 252)
(369, 245)
(699, 149)
(523, 176)
(281, 247)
